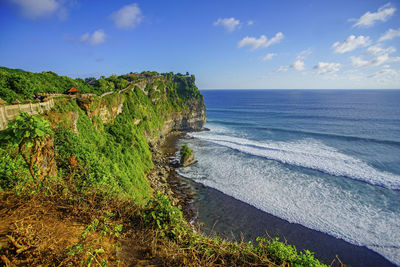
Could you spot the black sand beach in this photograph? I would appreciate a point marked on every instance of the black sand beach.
(232, 218)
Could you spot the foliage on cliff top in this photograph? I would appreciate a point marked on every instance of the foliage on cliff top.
(22, 85)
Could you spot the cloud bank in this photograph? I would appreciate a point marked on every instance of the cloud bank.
(261, 42)
(34, 9)
(327, 67)
(230, 24)
(351, 43)
(127, 17)
(96, 38)
(370, 18)
(389, 35)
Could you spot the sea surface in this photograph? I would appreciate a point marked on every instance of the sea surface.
(325, 159)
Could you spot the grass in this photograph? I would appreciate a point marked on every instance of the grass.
(100, 209)
(60, 226)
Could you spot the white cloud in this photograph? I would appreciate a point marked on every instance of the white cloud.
(352, 42)
(268, 56)
(327, 67)
(33, 9)
(377, 50)
(359, 62)
(128, 16)
(282, 69)
(250, 22)
(377, 61)
(261, 42)
(96, 38)
(230, 24)
(369, 18)
(303, 54)
(389, 35)
(298, 64)
(386, 75)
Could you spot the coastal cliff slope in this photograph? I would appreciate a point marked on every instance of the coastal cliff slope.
(88, 198)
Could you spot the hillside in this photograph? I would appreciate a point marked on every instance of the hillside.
(83, 184)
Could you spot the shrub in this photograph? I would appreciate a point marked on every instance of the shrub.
(185, 153)
(27, 132)
(161, 215)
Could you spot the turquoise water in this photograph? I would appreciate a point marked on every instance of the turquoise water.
(326, 159)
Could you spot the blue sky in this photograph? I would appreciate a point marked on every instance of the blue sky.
(232, 44)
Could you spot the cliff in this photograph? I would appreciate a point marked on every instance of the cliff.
(101, 165)
(191, 116)
(115, 137)
(111, 137)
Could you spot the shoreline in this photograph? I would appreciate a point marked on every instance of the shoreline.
(163, 176)
(221, 214)
(233, 219)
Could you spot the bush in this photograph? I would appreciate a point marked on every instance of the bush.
(185, 152)
(281, 253)
(13, 169)
(161, 215)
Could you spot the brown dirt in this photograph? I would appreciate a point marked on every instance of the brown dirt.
(39, 230)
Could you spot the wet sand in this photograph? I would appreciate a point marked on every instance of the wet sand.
(232, 219)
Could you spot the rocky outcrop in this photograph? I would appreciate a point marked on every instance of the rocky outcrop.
(106, 108)
(194, 117)
(45, 159)
(187, 156)
(191, 119)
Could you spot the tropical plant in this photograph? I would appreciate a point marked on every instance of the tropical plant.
(28, 133)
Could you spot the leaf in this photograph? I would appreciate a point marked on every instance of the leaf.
(39, 132)
(99, 250)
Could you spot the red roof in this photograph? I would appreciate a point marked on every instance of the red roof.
(131, 74)
(73, 90)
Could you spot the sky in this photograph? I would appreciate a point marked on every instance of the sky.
(227, 44)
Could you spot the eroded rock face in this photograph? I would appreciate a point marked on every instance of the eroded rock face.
(190, 119)
(102, 108)
(188, 160)
(45, 159)
(194, 118)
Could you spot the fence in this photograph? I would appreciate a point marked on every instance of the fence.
(8, 113)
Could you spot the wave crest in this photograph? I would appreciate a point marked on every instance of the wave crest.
(308, 153)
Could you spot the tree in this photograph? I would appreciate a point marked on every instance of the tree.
(28, 133)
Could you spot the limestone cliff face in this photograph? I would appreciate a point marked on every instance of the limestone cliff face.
(106, 108)
(194, 118)
(190, 119)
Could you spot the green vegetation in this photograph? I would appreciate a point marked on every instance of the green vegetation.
(23, 85)
(27, 132)
(185, 152)
(101, 182)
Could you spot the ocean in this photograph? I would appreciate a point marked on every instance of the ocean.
(328, 160)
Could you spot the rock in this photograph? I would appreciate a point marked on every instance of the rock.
(187, 156)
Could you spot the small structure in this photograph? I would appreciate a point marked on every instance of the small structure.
(132, 74)
(72, 91)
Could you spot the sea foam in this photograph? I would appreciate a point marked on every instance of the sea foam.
(308, 153)
(357, 212)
